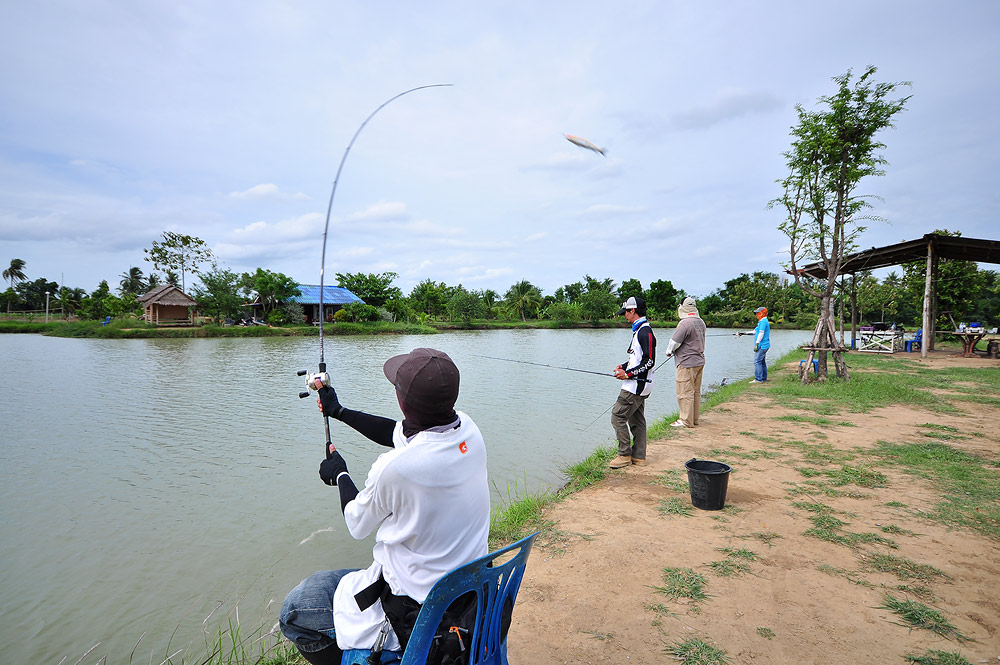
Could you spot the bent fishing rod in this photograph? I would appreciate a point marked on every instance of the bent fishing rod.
(322, 375)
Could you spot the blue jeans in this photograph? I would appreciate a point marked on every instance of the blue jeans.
(760, 365)
(307, 613)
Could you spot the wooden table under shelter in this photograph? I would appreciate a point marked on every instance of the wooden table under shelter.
(968, 339)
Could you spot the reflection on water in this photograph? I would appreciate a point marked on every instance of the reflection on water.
(144, 482)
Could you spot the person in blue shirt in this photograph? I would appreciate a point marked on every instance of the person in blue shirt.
(761, 343)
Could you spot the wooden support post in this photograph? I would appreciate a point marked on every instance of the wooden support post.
(928, 333)
(854, 307)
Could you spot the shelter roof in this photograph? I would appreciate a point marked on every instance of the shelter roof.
(945, 247)
(332, 295)
(167, 294)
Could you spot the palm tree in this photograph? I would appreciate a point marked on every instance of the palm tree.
(523, 297)
(15, 272)
(132, 282)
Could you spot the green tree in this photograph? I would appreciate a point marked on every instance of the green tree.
(598, 304)
(179, 252)
(132, 282)
(172, 278)
(92, 306)
(70, 299)
(270, 288)
(359, 311)
(219, 294)
(491, 301)
(466, 305)
(662, 298)
(431, 297)
(119, 307)
(15, 273)
(32, 294)
(152, 281)
(523, 298)
(374, 289)
(833, 150)
(631, 288)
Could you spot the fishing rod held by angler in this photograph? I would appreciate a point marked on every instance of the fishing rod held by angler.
(570, 369)
(322, 374)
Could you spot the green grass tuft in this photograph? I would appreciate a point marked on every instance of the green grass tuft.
(675, 506)
(694, 651)
(918, 615)
(934, 657)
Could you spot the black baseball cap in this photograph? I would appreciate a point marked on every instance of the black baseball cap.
(425, 379)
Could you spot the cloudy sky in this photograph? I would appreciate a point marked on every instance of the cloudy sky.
(226, 120)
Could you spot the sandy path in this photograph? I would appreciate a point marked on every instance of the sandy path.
(587, 594)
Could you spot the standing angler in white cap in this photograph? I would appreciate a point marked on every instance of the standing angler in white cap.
(628, 416)
(687, 346)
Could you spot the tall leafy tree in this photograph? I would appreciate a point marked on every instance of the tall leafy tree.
(33, 293)
(219, 295)
(15, 273)
(959, 284)
(177, 251)
(132, 282)
(431, 297)
(523, 298)
(631, 288)
(833, 149)
(374, 289)
(662, 297)
(272, 288)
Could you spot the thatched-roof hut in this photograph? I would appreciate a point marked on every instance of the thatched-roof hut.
(168, 304)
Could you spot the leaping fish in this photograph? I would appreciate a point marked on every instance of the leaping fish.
(584, 143)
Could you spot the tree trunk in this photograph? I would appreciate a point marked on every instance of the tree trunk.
(824, 341)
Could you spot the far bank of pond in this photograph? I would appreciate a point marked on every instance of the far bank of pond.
(133, 329)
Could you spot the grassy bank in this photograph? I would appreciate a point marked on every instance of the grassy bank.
(523, 514)
(132, 329)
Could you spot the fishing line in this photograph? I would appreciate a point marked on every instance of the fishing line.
(322, 375)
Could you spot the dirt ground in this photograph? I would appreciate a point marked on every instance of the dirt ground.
(588, 595)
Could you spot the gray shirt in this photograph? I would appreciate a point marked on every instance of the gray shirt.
(690, 338)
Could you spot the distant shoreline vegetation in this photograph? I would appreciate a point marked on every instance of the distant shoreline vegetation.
(132, 329)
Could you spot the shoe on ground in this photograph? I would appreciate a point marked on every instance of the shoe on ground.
(621, 462)
(638, 462)
(678, 423)
(756, 381)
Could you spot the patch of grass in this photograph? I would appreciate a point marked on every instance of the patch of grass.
(729, 567)
(862, 393)
(918, 590)
(821, 453)
(765, 632)
(683, 583)
(674, 506)
(695, 651)
(760, 437)
(848, 575)
(904, 569)
(815, 420)
(830, 528)
(766, 537)
(597, 635)
(739, 553)
(970, 490)
(896, 504)
(660, 609)
(591, 470)
(520, 517)
(940, 428)
(862, 475)
(918, 615)
(672, 479)
(896, 530)
(934, 657)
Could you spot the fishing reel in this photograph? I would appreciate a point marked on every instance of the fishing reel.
(311, 380)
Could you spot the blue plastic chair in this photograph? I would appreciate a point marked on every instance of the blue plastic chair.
(493, 585)
(106, 321)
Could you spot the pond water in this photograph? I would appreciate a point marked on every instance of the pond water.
(154, 486)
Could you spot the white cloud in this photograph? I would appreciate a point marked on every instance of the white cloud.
(265, 191)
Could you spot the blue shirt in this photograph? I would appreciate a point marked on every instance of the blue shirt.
(763, 327)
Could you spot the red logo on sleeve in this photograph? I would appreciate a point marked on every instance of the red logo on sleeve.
(463, 447)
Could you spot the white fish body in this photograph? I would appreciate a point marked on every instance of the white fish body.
(583, 143)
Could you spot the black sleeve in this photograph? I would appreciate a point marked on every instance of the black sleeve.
(347, 491)
(647, 344)
(376, 428)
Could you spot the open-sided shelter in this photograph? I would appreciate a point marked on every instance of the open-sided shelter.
(932, 247)
(167, 304)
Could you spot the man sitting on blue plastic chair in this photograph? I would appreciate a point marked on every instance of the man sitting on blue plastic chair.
(428, 498)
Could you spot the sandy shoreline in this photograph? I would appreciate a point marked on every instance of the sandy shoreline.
(588, 593)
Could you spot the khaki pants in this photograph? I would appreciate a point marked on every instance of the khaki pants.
(689, 394)
(628, 417)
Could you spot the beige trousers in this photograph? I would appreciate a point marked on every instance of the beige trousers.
(689, 394)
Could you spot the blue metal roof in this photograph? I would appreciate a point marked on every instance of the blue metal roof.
(332, 295)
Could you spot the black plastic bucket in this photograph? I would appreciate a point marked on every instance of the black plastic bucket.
(708, 481)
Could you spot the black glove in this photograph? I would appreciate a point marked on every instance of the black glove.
(331, 405)
(756, 347)
(330, 468)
